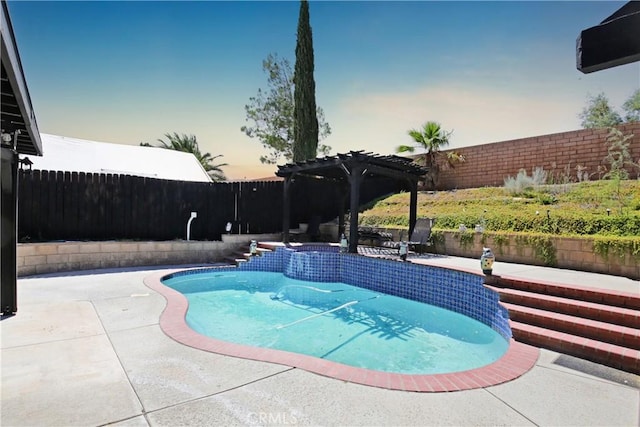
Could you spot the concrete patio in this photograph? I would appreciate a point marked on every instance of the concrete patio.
(86, 349)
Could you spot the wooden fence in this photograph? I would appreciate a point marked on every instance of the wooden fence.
(84, 206)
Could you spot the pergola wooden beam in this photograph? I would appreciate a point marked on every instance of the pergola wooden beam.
(349, 170)
(615, 41)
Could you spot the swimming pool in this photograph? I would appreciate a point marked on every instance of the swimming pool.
(458, 291)
(335, 321)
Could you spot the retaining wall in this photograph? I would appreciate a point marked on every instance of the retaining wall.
(570, 253)
(50, 257)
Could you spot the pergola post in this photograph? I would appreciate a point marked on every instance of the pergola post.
(354, 179)
(413, 205)
(286, 208)
(343, 197)
(8, 230)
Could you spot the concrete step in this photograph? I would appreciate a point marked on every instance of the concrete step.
(244, 255)
(612, 355)
(588, 310)
(234, 257)
(588, 328)
(260, 251)
(599, 296)
(238, 256)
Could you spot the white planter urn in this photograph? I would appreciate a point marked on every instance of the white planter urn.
(486, 261)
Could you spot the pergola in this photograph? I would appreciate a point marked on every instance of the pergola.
(348, 171)
(615, 41)
(19, 134)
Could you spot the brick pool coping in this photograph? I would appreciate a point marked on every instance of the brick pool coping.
(518, 359)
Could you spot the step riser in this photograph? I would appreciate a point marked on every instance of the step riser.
(601, 314)
(622, 300)
(625, 363)
(591, 324)
(628, 340)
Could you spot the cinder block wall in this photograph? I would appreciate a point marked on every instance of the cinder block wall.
(51, 257)
(559, 154)
(571, 253)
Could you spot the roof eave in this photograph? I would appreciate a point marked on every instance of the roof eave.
(31, 142)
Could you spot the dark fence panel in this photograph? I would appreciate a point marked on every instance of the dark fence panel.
(85, 206)
(260, 206)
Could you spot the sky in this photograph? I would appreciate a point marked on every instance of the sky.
(129, 72)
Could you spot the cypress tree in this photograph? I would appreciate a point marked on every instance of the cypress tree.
(305, 142)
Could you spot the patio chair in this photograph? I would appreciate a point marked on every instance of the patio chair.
(421, 234)
(419, 237)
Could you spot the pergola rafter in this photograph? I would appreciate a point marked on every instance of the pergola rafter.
(348, 171)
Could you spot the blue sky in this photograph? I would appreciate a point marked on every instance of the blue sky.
(127, 72)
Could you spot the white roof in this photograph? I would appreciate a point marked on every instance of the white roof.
(61, 153)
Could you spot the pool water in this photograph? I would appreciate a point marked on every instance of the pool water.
(335, 321)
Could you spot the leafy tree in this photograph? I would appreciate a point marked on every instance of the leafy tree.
(305, 138)
(271, 112)
(189, 144)
(632, 107)
(598, 113)
(431, 138)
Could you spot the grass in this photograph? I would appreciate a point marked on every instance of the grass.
(601, 208)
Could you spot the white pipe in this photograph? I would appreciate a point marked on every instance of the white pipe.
(193, 216)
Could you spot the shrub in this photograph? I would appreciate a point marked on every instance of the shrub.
(617, 246)
(543, 248)
(523, 183)
(582, 210)
(519, 184)
(546, 198)
(539, 177)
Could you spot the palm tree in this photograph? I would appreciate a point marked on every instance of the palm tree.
(189, 144)
(431, 138)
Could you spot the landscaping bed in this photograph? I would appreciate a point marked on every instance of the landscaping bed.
(604, 216)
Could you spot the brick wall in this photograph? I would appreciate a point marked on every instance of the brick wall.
(559, 154)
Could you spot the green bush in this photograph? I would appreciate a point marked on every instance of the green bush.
(543, 248)
(617, 246)
(579, 210)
